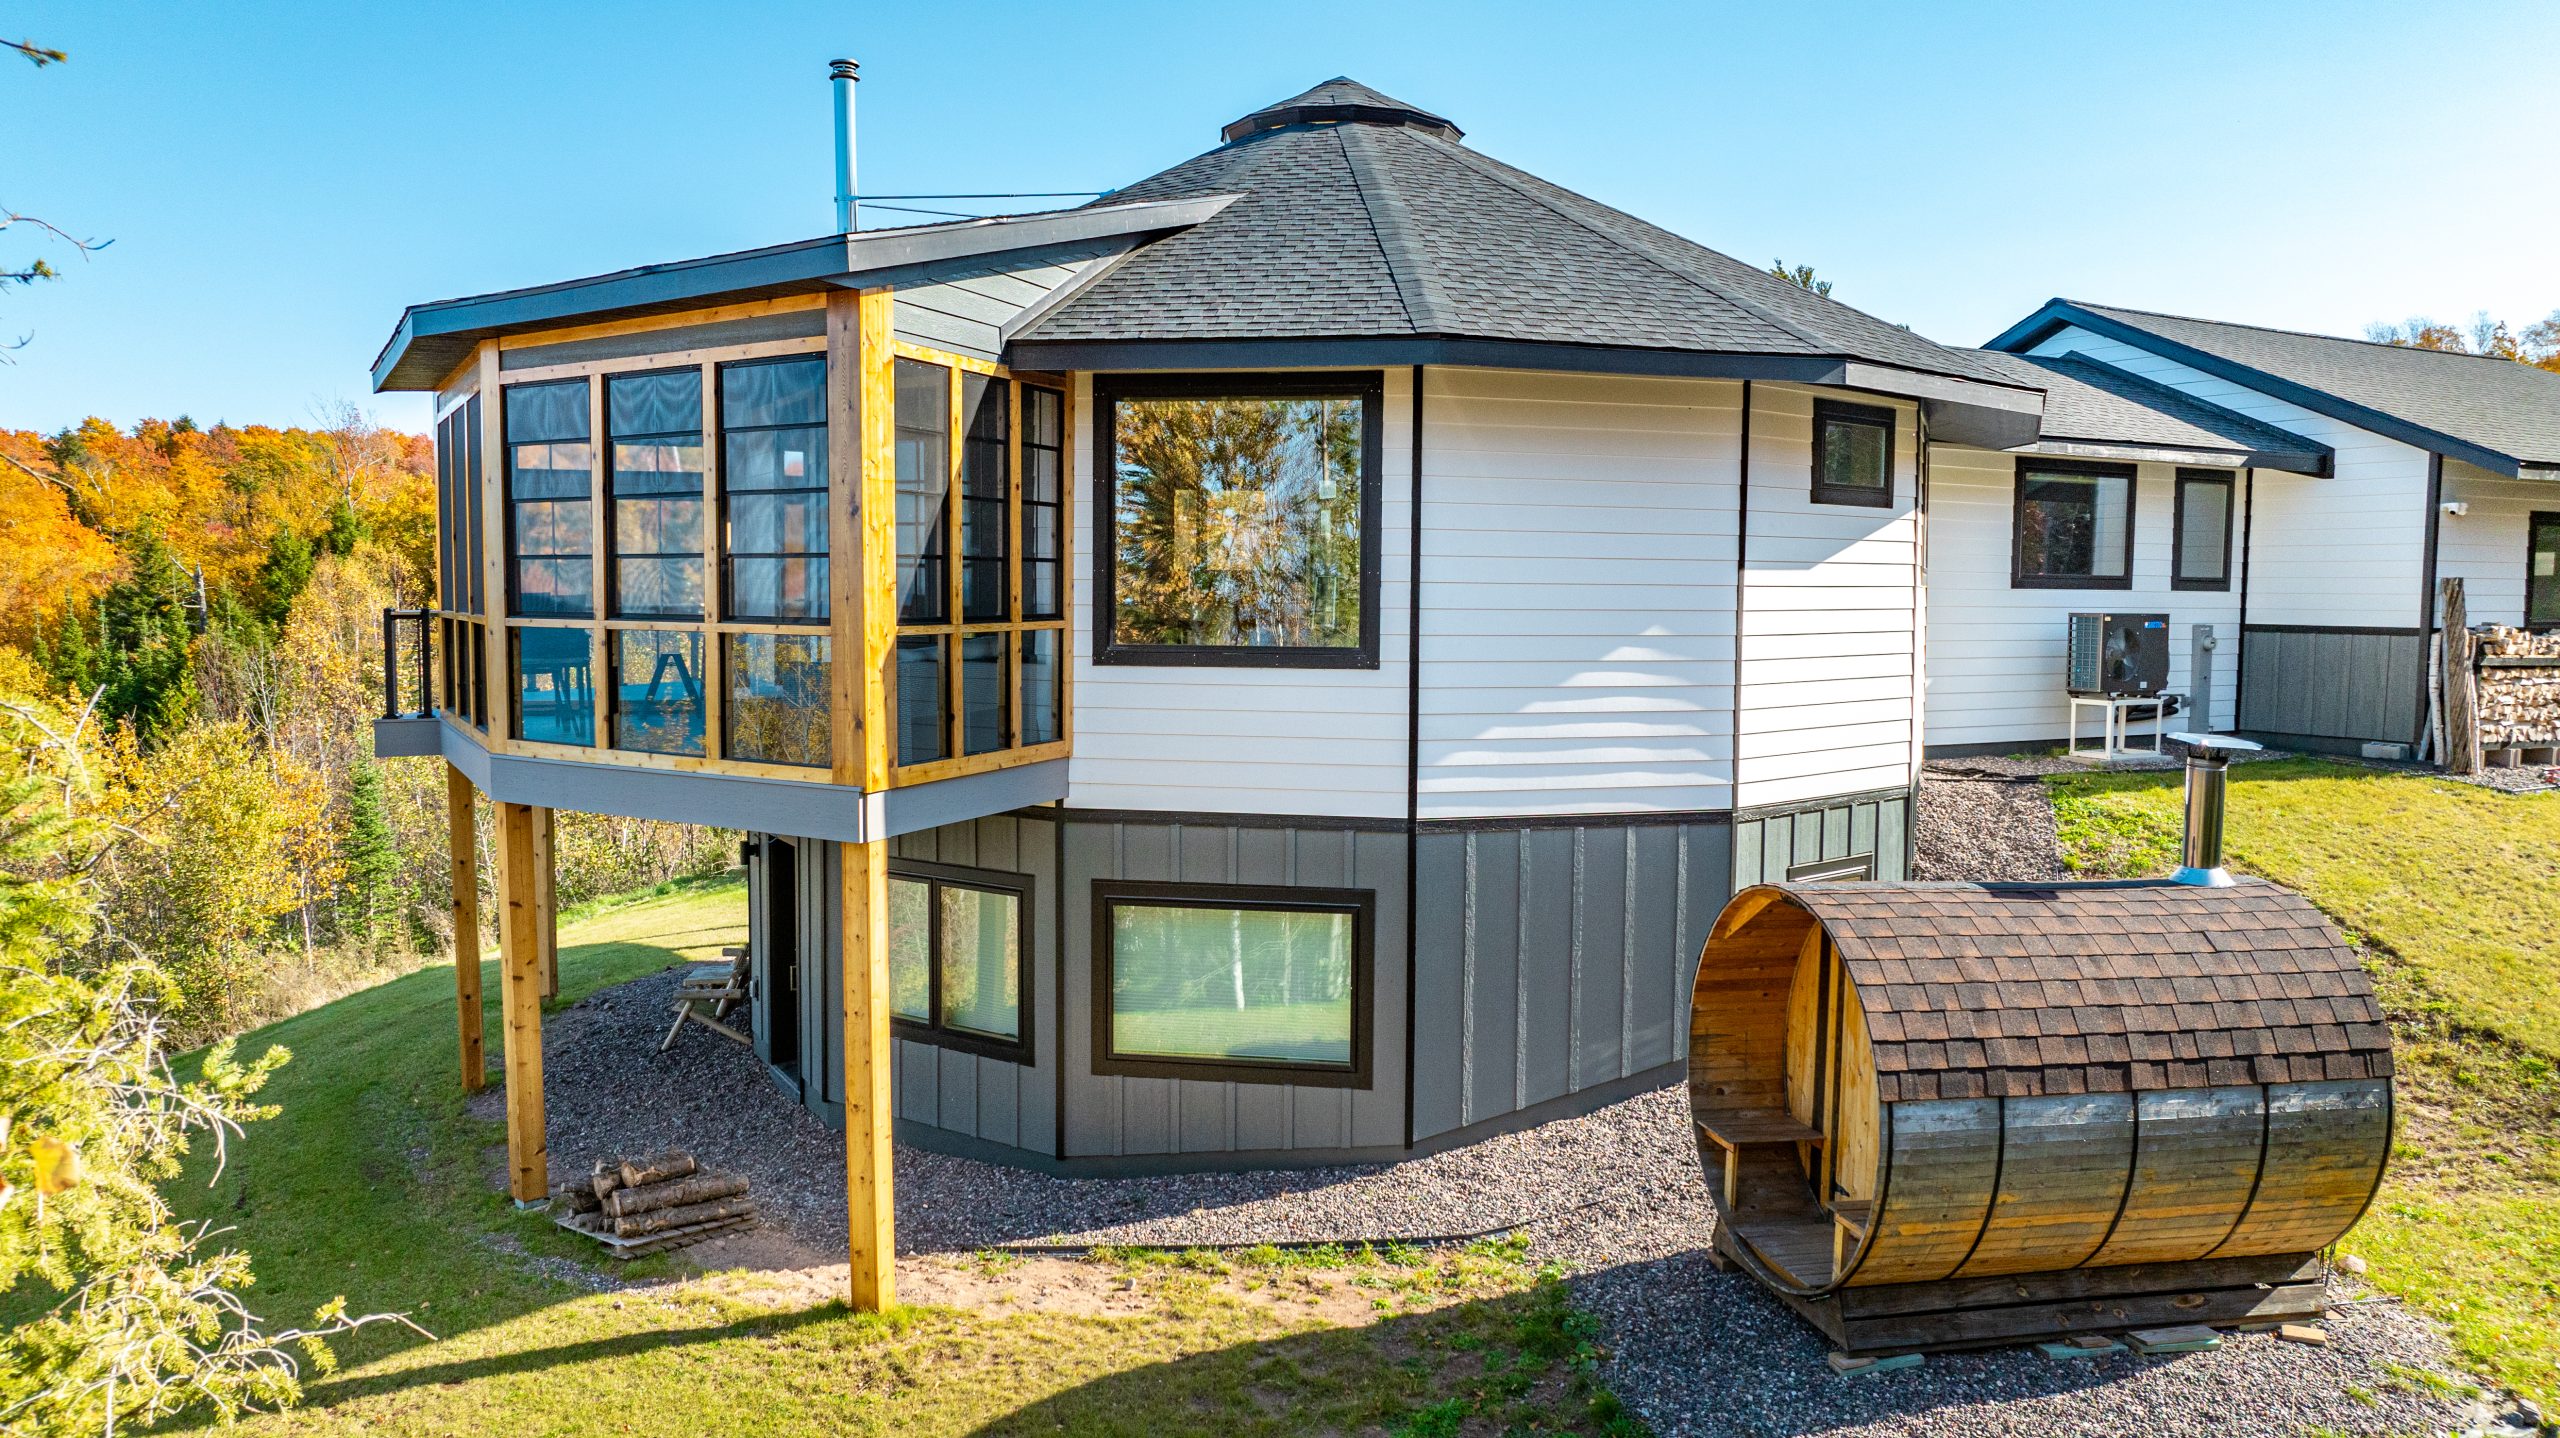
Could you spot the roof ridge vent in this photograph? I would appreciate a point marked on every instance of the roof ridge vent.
(1339, 101)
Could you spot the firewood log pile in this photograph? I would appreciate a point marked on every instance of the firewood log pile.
(2518, 706)
(652, 1202)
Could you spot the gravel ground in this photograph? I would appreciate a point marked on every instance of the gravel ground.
(1613, 1195)
(2522, 779)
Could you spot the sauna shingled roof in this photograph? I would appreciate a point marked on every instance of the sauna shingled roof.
(2014, 990)
(1358, 215)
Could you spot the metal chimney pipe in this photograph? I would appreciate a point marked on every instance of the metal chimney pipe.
(848, 209)
(2208, 763)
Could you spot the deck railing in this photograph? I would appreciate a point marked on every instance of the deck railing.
(408, 690)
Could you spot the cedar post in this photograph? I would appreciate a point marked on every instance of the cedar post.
(547, 902)
(463, 840)
(522, 916)
(863, 638)
(2461, 718)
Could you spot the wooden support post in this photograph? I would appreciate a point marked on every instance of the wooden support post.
(863, 479)
(520, 921)
(2461, 753)
(463, 840)
(547, 902)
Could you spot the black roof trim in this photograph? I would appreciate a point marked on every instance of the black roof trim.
(2058, 313)
(1959, 411)
(1340, 100)
(432, 338)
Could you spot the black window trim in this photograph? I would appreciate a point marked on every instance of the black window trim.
(2534, 520)
(1361, 904)
(998, 881)
(2037, 464)
(2229, 481)
(1056, 505)
(720, 431)
(1110, 389)
(1827, 411)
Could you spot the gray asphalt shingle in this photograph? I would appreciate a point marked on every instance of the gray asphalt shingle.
(2095, 403)
(2497, 404)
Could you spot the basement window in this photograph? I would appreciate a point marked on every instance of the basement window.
(1852, 454)
(2201, 556)
(1244, 984)
(1239, 520)
(2074, 526)
(955, 958)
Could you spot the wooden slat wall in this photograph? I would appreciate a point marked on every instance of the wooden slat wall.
(1943, 1164)
(1766, 844)
(2062, 1171)
(2333, 684)
(2326, 1144)
(1553, 960)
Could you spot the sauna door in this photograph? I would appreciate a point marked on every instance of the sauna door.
(1831, 1083)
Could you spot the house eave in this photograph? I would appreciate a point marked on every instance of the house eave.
(2036, 328)
(431, 339)
(1960, 410)
(2315, 463)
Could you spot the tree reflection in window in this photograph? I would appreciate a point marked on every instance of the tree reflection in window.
(1236, 521)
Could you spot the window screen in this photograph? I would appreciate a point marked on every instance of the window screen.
(2203, 558)
(654, 430)
(773, 481)
(551, 524)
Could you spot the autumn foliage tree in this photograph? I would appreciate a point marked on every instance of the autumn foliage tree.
(2537, 344)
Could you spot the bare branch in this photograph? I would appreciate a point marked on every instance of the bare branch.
(37, 55)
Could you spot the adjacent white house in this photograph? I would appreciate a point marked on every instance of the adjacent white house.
(1282, 664)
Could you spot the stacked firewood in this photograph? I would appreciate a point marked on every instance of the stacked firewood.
(2518, 706)
(654, 1202)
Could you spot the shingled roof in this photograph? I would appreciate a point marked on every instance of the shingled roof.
(1361, 217)
(2100, 411)
(2494, 413)
(2014, 990)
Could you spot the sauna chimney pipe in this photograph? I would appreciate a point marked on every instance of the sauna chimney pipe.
(848, 209)
(2208, 759)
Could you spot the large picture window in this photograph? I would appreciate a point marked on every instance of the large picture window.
(2074, 526)
(654, 433)
(773, 489)
(2542, 572)
(1852, 454)
(2200, 554)
(1249, 983)
(1239, 520)
(956, 946)
(550, 500)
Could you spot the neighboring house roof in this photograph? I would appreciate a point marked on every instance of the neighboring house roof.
(2494, 413)
(1364, 232)
(2097, 411)
(2012, 990)
(432, 338)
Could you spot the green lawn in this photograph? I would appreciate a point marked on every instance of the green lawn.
(377, 1184)
(2455, 892)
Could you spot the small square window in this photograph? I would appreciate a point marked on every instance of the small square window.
(2074, 526)
(1852, 454)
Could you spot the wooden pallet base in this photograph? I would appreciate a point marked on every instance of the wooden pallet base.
(593, 1226)
(2519, 756)
(2030, 1307)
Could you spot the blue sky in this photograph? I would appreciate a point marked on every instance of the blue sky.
(278, 180)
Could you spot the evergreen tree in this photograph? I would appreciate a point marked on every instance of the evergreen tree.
(370, 908)
(148, 637)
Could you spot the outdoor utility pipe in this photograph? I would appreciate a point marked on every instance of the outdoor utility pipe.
(2208, 760)
(848, 209)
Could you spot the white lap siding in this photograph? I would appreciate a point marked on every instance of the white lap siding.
(2347, 550)
(2485, 548)
(1248, 740)
(1577, 594)
(1996, 653)
(1830, 605)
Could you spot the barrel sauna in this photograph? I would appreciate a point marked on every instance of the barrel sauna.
(1947, 1115)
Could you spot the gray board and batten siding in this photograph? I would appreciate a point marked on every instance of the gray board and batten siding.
(2314, 687)
(1550, 974)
